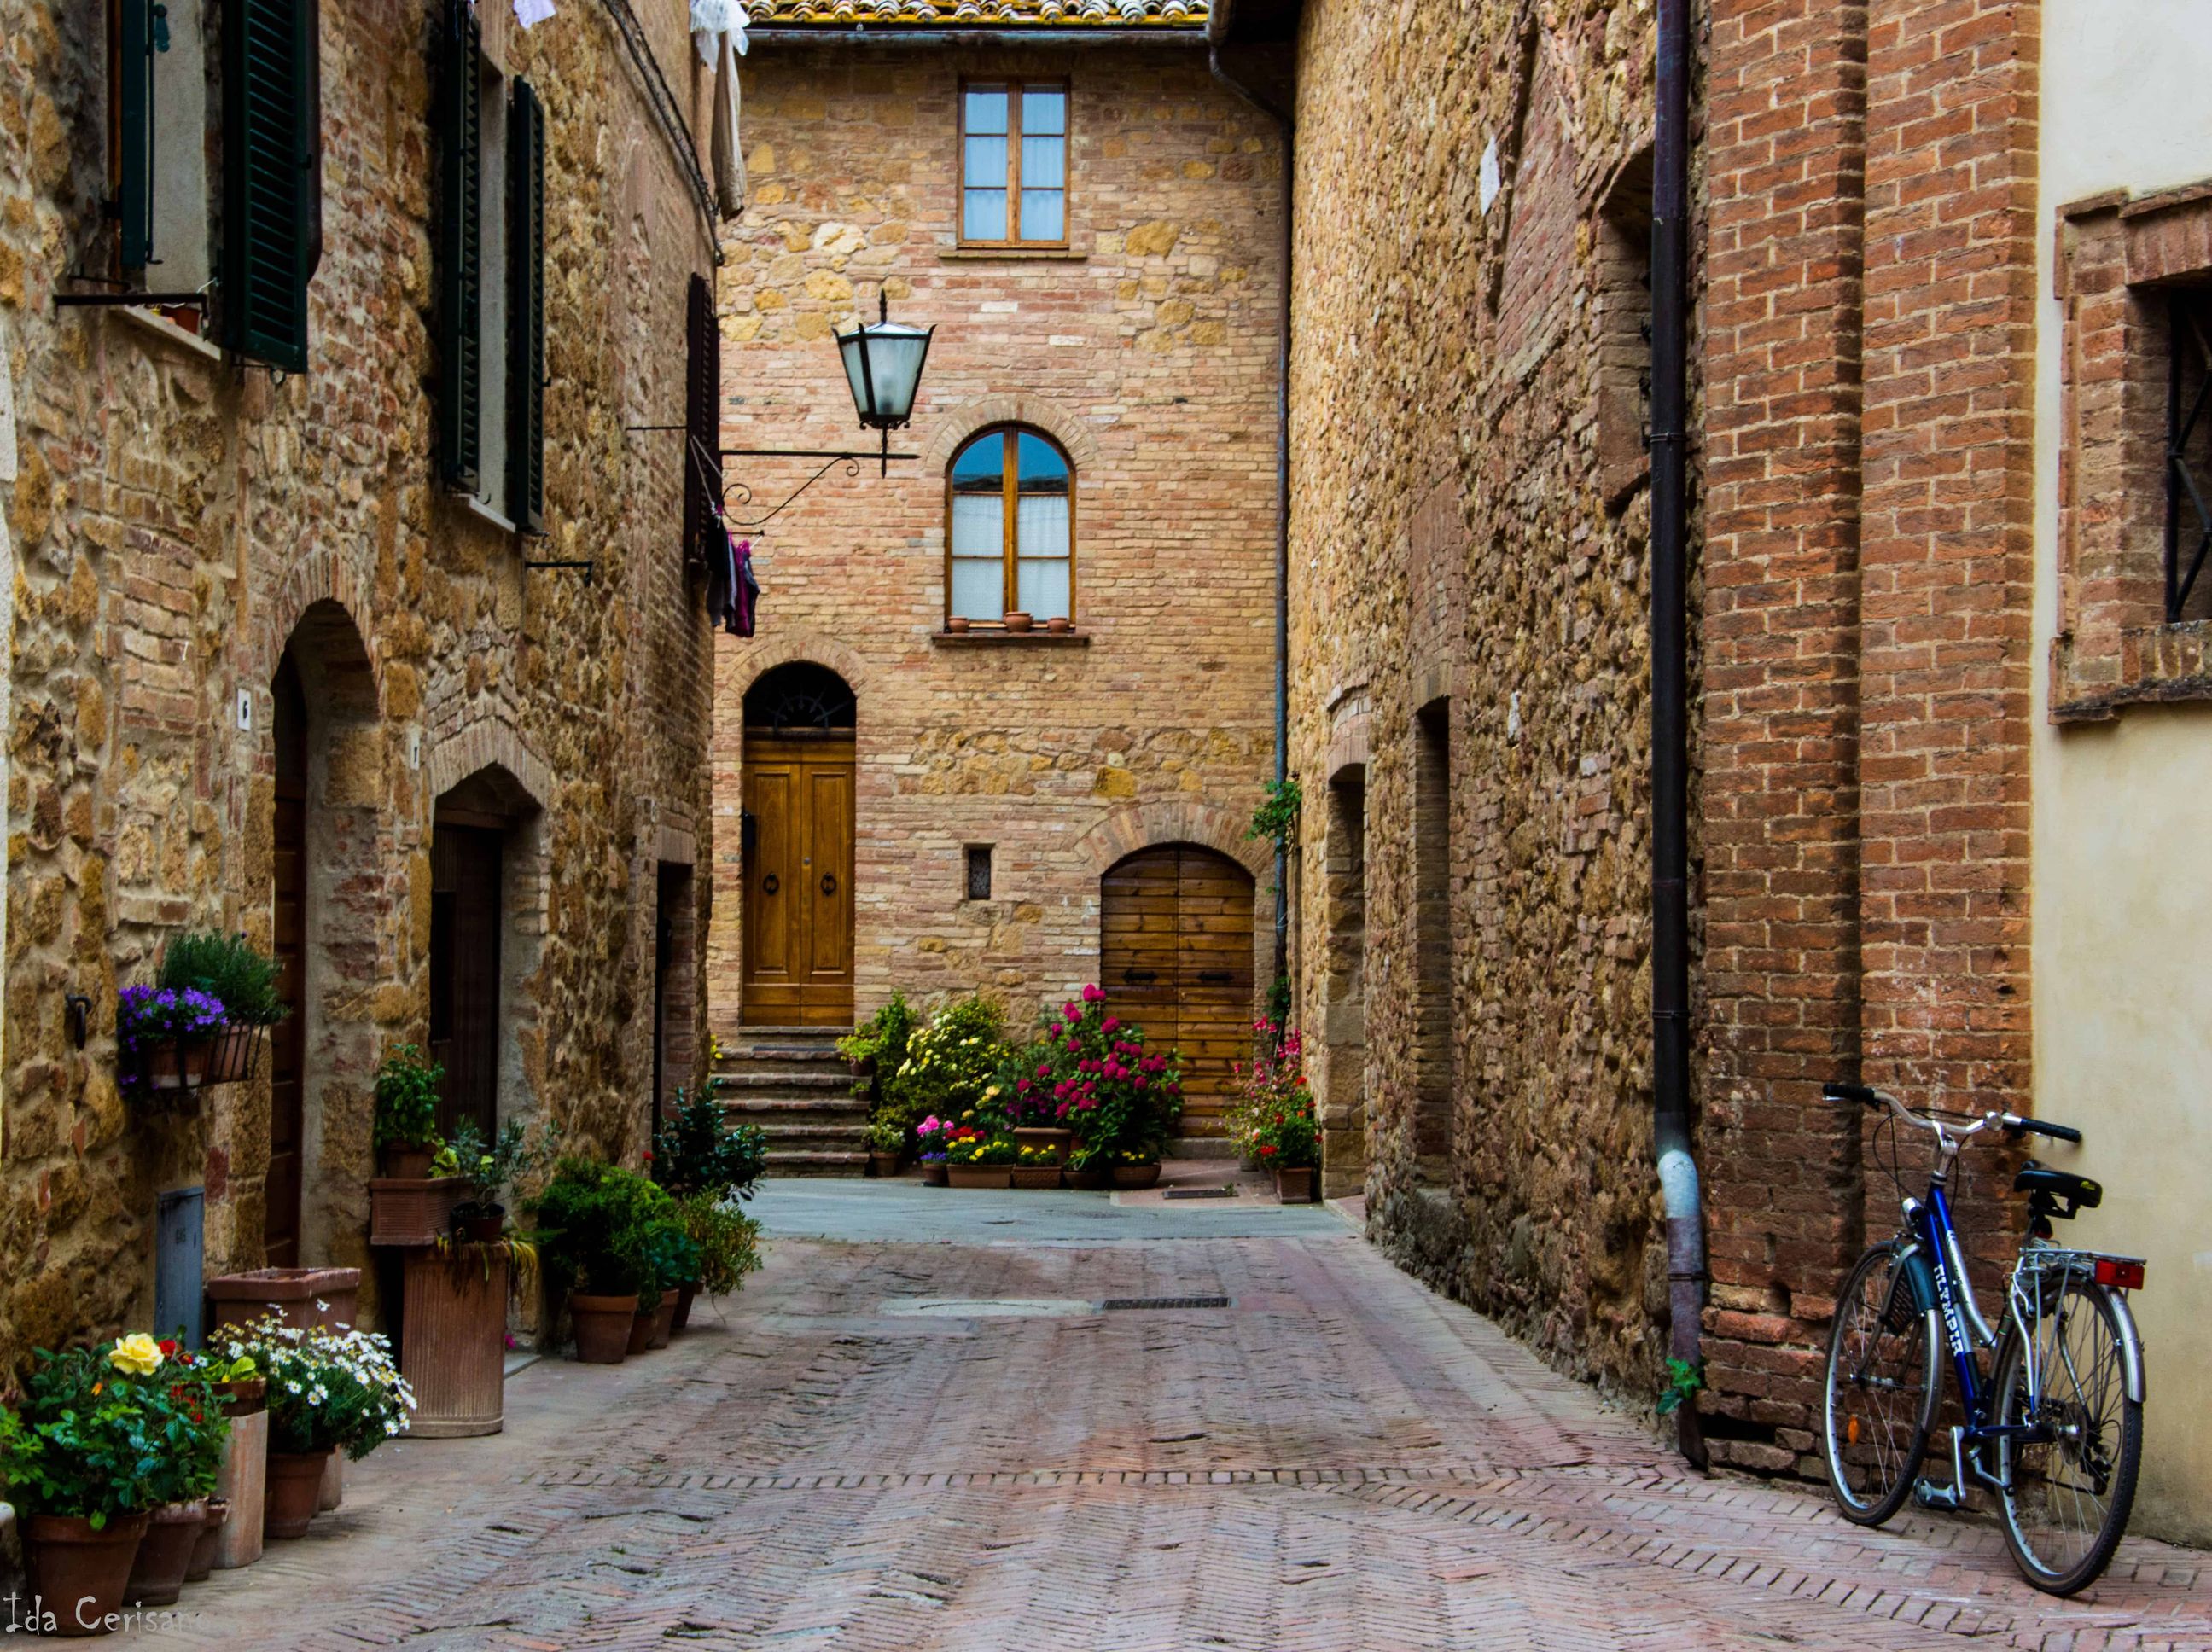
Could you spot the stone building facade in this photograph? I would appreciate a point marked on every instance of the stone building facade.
(1929, 395)
(999, 778)
(267, 661)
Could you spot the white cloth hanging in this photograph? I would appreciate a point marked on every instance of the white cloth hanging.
(710, 18)
(531, 13)
(728, 156)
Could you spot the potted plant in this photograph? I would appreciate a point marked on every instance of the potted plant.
(930, 1137)
(162, 1037)
(973, 1159)
(1273, 1080)
(698, 1150)
(329, 1391)
(877, 1047)
(1091, 1073)
(183, 1398)
(485, 1170)
(590, 1225)
(671, 1261)
(952, 1067)
(406, 1130)
(728, 1242)
(243, 980)
(1288, 1142)
(83, 1457)
(886, 1146)
(1036, 1165)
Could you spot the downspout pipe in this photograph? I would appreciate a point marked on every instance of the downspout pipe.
(1670, 812)
(1285, 123)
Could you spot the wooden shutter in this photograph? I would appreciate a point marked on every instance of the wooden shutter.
(460, 251)
(525, 253)
(703, 439)
(273, 141)
(133, 132)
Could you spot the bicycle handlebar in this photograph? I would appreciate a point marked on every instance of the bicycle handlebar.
(1867, 1095)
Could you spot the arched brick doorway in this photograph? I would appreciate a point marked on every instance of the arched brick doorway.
(1175, 958)
(797, 841)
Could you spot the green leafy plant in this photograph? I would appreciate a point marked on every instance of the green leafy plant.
(728, 1239)
(228, 968)
(876, 1047)
(328, 1389)
(490, 1168)
(92, 1437)
(1276, 819)
(407, 1087)
(591, 1223)
(672, 1256)
(1272, 1107)
(1684, 1378)
(1090, 1071)
(699, 1150)
(952, 1065)
(1289, 1139)
(886, 1135)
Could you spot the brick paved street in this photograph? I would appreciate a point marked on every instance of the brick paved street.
(860, 1457)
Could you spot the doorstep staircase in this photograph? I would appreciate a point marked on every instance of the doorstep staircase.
(793, 1083)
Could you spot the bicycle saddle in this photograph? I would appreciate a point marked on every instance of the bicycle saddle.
(2079, 1191)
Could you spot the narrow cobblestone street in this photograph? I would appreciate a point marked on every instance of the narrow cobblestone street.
(943, 1443)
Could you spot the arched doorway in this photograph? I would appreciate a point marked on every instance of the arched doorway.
(483, 931)
(797, 834)
(328, 843)
(1175, 958)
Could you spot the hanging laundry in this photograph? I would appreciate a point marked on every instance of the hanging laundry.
(729, 158)
(748, 591)
(531, 13)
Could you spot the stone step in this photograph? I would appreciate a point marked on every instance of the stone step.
(794, 1132)
(748, 1081)
(769, 1106)
(827, 1162)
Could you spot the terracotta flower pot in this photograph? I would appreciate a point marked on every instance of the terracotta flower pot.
(294, 1493)
(165, 1553)
(1136, 1175)
(233, 1054)
(304, 1297)
(603, 1327)
(179, 1066)
(1018, 621)
(1060, 625)
(686, 1294)
(1294, 1185)
(1094, 1179)
(883, 1164)
(1062, 1141)
(408, 1163)
(244, 1395)
(209, 1543)
(640, 1332)
(978, 1176)
(484, 1227)
(664, 1322)
(1035, 1176)
(956, 626)
(79, 1573)
(410, 1211)
(933, 1175)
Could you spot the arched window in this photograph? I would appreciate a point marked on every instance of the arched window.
(1010, 534)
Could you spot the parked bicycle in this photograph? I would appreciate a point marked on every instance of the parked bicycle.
(2053, 1426)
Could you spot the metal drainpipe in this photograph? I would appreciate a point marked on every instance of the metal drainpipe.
(1670, 858)
(1285, 124)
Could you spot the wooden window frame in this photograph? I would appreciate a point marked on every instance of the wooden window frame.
(1010, 481)
(1014, 89)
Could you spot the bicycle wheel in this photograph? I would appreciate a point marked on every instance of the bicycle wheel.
(2066, 1500)
(1881, 1390)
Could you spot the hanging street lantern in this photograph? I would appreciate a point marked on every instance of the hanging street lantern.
(883, 364)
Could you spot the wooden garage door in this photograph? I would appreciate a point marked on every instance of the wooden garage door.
(1175, 957)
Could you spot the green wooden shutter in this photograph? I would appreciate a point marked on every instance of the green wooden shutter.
(272, 138)
(134, 122)
(702, 428)
(526, 322)
(460, 251)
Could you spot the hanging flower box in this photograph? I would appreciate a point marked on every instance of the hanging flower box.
(163, 1037)
(234, 1054)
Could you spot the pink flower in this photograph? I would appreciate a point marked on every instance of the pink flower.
(1075, 1043)
(1072, 1014)
(1139, 1081)
(1094, 995)
(1044, 1069)
(1086, 1103)
(1109, 1023)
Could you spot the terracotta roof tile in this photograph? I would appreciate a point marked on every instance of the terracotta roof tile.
(1163, 15)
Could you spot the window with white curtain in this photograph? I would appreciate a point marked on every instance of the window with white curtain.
(1013, 163)
(1011, 529)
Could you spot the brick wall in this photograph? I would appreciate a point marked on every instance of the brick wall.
(177, 522)
(1149, 355)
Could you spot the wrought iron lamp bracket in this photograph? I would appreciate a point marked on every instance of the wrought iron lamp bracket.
(740, 494)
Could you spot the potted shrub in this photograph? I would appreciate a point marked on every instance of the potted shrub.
(697, 1150)
(951, 1067)
(876, 1049)
(930, 1137)
(184, 1399)
(728, 1242)
(83, 1458)
(406, 1131)
(1090, 1072)
(973, 1159)
(1288, 1142)
(329, 1391)
(1274, 1080)
(591, 1224)
(243, 980)
(886, 1146)
(486, 1169)
(1035, 1165)
(672, 1262)
(162, 1035)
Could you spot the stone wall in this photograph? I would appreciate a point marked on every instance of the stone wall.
(1467, 561)
(178, 520)
(1148, 351)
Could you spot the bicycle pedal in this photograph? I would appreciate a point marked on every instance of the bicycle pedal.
(1947, 1499)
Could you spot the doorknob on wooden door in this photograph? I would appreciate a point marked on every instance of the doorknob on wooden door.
(829, 884)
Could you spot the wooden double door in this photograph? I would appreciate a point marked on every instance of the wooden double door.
(1175, 958)
(797, 851)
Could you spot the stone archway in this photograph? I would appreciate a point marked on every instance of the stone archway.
(332, 852)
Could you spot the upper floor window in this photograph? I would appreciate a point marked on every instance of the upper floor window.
(1013, 163)
(1012, 538)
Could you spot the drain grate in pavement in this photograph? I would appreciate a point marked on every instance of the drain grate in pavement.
(1116, 1305)
(1200, 1193)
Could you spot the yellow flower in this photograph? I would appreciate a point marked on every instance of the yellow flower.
(137, 1353)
